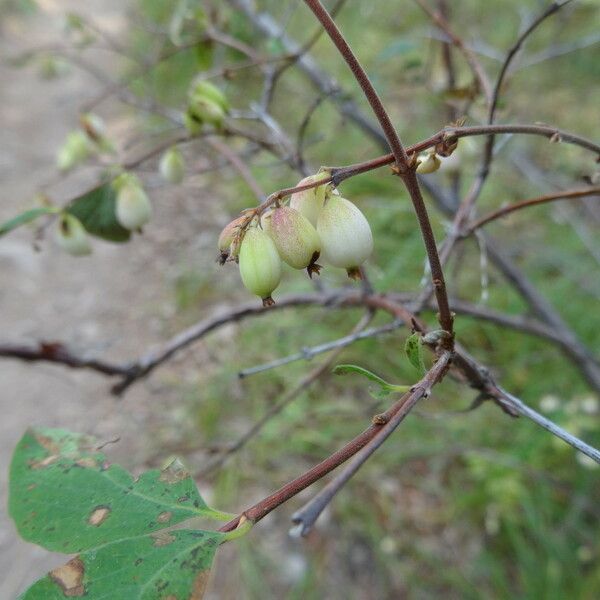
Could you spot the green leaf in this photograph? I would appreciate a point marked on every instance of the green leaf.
(64, 496)
(96, 211)
(385, 387)
(171, 564)
(414, 350)
(24, 218)
(345, 369)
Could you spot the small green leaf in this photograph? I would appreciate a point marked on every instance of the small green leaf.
(64, 496)
(345, 369)
(414, 351)
(96, 209)
(172, 564)
(24, 218)
(385, 387)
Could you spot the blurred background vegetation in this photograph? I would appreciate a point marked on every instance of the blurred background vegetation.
(457, 505)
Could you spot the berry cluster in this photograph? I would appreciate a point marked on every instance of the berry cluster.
(206, 104)
(317, 224)
(132, 211)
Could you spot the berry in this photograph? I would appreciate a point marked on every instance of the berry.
(346, 238)
(71, 236)
(295, 238)
(260, 265)
(207, 104)
(192, 123)
(172, 166)
(133, 205)
(310, 202)
(206, 89)
(207, 111)
(428, 162)
(75, 150)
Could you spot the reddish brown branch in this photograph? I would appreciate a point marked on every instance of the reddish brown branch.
(403, 168)
(501, 212)
(56, 352)
(396, 412)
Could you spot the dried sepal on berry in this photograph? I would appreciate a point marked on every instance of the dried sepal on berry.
(260, 265)
(463, 156)
(228, 243)
(295, 238)
(346, 238)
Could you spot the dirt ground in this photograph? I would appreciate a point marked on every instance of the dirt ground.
(114, 303)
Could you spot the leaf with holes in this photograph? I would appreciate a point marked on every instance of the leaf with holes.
(164, 565)
(96, 209)
(414, 350)
(64, 496)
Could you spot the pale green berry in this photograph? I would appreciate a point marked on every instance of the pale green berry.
(310, 202)
(192, 123)
(172, 166)
(346, 238)
(295, 238)
(71, 236)
(207, 111)
(205, 89)
(74, 150)
(260, 265)
(133, 205)
(428, 162)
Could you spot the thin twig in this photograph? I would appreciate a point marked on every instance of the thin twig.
(403, 168)
(549, 425)
(309, 513)
(572, 346)
(470, 57)
(310, 352)
(261, 509)
(57, 352)
(488, 152)
(501, 212)
(239, 165)
(285, 401)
